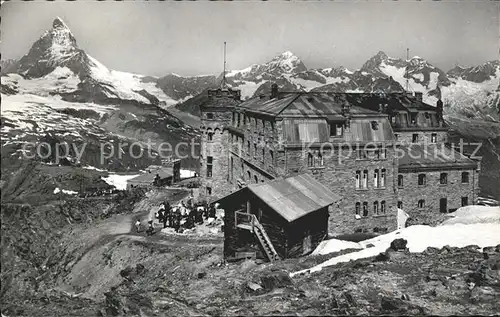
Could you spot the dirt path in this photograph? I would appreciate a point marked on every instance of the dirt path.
(100, 260)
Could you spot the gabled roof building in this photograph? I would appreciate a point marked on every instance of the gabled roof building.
(359, 146)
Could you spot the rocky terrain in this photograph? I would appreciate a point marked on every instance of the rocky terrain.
(87, 261)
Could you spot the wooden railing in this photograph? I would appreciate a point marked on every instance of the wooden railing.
(250, 222)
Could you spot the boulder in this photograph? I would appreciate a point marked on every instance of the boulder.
(399, 244)
(431, 250)
(254, 287)
(275, 280)
(382, 257)
(400, 306)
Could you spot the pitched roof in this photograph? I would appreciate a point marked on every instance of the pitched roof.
(330, 104)
(370, 130)
(432, 155)
(294, 197)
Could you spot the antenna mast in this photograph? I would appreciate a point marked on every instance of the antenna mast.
(407, 59)
(223, 84)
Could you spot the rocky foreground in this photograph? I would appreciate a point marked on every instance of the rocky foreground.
(80, 258)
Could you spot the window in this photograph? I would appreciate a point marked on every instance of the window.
(358, 208)
(271, 154)
(238, 123)
(264, 125)
(255, 150)
(339, 129)
(256, 179)
(465, 201)
(376, 179)
(465, 177)
(209, 190)
(248, 147)
(209, 166)
(375, 208)
(210, 115)
(234, 120)
(255, 124)
(433, 137)
(443, 178)
(421, 179)
(374, 125)
(383, 153)
(210, 136)
(365, 178)
(263, 154)
(413, 117)
(382, 178)
(414, 138)
(365, 209)
(421, 203)
(320, 159)
(249, 175)
(310, 160)
(393, 119)
(400, 181)
(400, 204)
(427, 116)
(362, 154)
(244, 119)
(396, 136)
(336, 129)
(382, 207)
(358, 179)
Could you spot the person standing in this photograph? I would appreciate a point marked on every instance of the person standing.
(137, 225)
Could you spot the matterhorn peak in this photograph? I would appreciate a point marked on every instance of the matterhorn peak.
(59, 23)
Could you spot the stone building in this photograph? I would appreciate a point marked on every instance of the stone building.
(350, 142)
(216, 114)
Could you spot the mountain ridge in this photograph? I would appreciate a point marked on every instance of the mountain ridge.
(471, 91)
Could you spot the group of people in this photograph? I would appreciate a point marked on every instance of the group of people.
(184, 215)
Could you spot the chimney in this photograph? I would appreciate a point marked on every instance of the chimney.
(418, 96)
(274, 91)
(346, 109)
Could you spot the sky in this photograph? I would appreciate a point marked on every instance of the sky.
(156, 38)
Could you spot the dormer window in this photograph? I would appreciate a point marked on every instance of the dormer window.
(336, 129)
(374, 125)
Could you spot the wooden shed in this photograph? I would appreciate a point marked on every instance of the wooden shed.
(279, 219)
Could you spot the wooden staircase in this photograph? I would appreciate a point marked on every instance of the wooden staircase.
(256, 227)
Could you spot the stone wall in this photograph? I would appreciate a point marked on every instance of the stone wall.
(339, 174)
(410, 194)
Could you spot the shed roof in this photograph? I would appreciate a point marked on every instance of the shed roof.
(294, 197)
(149, 177)
(433, 155)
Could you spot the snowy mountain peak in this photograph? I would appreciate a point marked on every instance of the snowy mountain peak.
(59, 23)
(381, 55)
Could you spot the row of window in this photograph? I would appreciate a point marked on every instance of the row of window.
(378, 179)
(363, 210)
(421, 202)
(415, 137)
(240, 119)
(443, 179)
(376, 154)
